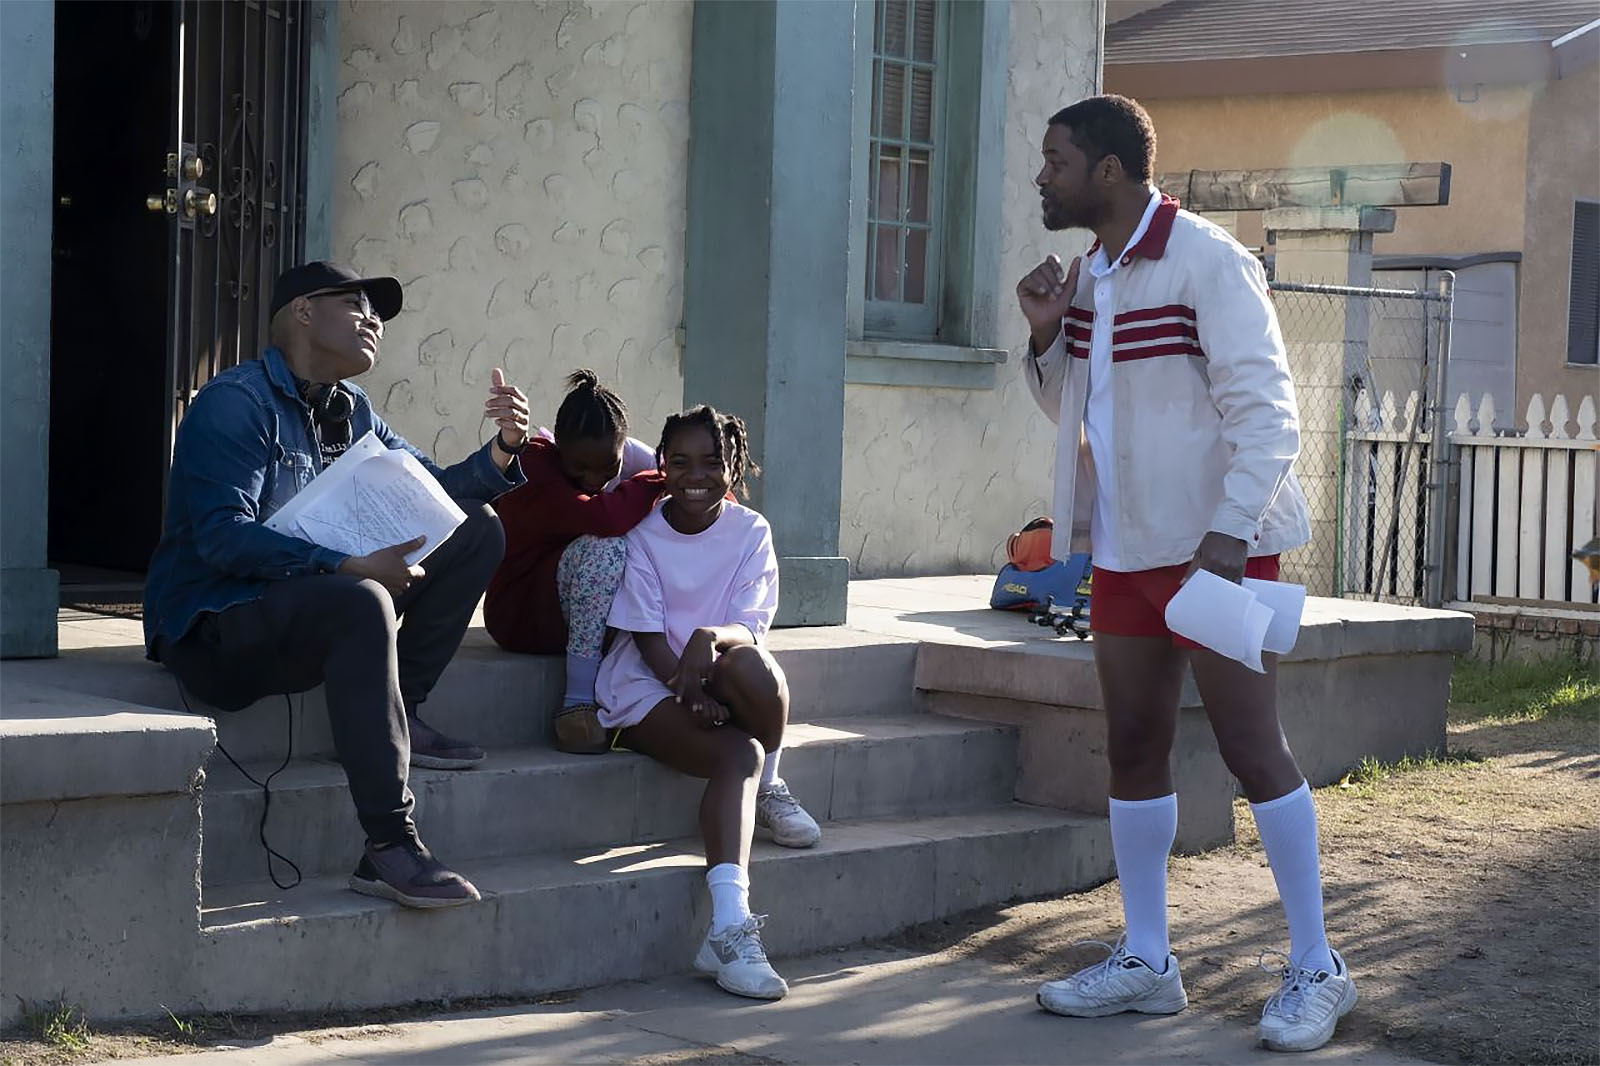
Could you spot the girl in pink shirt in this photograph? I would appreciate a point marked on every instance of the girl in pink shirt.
(690, 684)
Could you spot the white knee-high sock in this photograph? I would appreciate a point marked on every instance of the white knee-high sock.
(1142, 832)
(1288, 827)
(769, 770)
(730, 895)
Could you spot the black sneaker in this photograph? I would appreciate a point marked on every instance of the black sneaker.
(433, 750)
(409, 874)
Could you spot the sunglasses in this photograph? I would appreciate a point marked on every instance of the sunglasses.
(356, 300)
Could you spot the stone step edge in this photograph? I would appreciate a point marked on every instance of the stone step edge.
(630, 914)
(320, 771)
(329, 897)
(966, 765)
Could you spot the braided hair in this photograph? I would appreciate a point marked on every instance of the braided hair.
(728, 437)
(590, 410)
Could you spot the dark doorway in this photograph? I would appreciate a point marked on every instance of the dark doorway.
(109, 287)
(180, 129)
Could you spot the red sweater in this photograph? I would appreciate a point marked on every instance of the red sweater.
(543, 516)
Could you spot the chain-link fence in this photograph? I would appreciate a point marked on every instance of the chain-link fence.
(1368, 372)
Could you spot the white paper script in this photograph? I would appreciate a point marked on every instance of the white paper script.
(1288, 603)
(1225, 617)
(371, 497)
(1239, 621)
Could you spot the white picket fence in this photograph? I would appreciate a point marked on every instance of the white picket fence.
(1384, 523)
(1525, 503)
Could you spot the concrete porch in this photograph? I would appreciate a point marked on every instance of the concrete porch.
(954, 752)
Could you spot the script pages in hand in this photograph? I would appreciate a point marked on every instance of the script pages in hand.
(371, 497)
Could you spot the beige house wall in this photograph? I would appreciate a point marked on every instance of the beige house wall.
(1563, 166)
(1485, 141)
(521, 168)
(936, 479)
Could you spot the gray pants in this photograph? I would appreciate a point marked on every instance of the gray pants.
(345, 633)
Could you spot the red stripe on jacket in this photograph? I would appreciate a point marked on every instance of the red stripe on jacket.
(1128, 355)
(1136, 334)
(1146, 314)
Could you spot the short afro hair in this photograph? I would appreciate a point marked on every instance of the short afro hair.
(1112, 125)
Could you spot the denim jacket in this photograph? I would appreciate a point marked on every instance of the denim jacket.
(245, 447)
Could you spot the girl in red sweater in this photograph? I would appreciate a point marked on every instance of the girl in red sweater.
(564, 553)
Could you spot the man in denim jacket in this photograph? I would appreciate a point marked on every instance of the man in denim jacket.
(238, 611)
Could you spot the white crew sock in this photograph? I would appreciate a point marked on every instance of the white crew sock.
(1142, 832)
(730, 895)
(581, 672)
(769, 770)
(1288, 827)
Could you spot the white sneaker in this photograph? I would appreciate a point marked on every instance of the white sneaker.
(780, 812)
(1122, 982)
(735, 956)
(1302, 1014)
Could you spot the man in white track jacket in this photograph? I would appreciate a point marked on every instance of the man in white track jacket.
(1159, 357)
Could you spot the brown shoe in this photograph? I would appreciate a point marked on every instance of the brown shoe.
(409, 874)
(578, 730)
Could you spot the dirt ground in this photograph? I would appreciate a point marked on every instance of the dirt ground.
(1465, 894)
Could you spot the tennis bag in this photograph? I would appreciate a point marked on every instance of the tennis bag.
(1031, 577)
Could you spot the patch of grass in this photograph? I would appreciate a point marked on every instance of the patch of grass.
(186, 1030)
(56, 1023)
(1524, 691)
(1369, 772)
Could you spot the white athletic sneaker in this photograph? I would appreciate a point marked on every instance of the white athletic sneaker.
(1302, 1014)
(780, 812)
(1122, 982)
(738, 961)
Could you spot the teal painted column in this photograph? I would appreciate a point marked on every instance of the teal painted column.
(29, 591)
(766, 272)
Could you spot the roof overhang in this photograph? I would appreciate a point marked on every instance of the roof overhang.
(1513, 63)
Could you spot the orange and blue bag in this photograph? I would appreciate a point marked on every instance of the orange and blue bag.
(1032, 578)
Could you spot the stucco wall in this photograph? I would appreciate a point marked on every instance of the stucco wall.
(1485, 141)
(1563, 166)
(936, 479)
(520, 167)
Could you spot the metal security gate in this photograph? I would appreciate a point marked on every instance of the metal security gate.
(1370, 377)
(236, 181)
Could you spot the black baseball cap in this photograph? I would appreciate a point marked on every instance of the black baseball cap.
(384, 293)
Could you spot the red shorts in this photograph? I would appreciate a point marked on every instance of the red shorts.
(1134, 604)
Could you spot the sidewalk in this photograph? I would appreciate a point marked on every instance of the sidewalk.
(865, 1005)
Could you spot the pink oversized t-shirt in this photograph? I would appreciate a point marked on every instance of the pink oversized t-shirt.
(676, 582)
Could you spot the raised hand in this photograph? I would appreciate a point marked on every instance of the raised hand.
(507, 407)
(388, 566)
(1044, 294)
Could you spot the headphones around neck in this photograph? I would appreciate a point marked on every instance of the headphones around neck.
(331, 408)
(330, 403)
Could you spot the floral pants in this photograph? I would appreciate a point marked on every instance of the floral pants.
(587, 579)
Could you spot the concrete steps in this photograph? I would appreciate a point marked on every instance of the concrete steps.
(587, 916)
(919, 734)
(532, 799)
(498, 700)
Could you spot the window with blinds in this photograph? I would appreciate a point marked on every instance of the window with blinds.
(1583, 306)
(905, 168)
